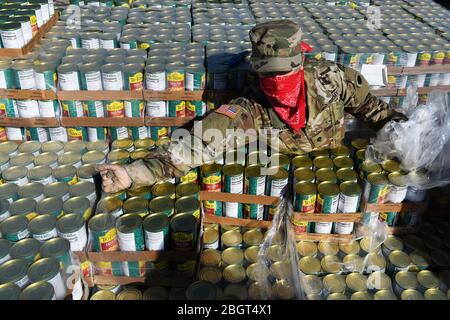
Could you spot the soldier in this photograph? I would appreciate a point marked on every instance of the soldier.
(303, 101)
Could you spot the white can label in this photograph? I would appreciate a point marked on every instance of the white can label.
(236, 184)
(154, 240)
(40, 81)
(92, 197)
(77, 239)
(65, 197)
(231, 210)
(156, 81)
(344, 227)
(90, 44)
(60, 287)
(323, 227)
(122, 133)
(45, 181)
(94, 81)
(5, 258)
(396, 194)
(51, 7)
(58, 134)
(2, 80)
(12, 39)
(46, 108)
(27, 32)
(107, 44)
(126, 241)
(68, 81)
(27, 80)
(92, 134)
(156, 109)
(189, 82)
(348, 204)
(22, 283)
(39, 19)
(6, 214)
(47, 235)
(39, 198)
(14, 133)
(112, 81)
(277, 186)
(23, 234)
(22, 181)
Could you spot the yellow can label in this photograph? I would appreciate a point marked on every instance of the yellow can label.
(196, 214)
(87, 214)
(190, 106)
(73, 181)
(369, 59)
(138, 77)
(175, 76)
(55, 76)
(85, 268)
(109, 242)
(425, 56)
(354, 59)
(162, 132)
(30, 216)
(144, 46)
(392, 57)
(181, 106)
(383, 216)
(439, 55)
(33, 20)
(75, 133)
(182, 236)
(318, 56)
(212, 179)
(2, 134)
(104, 267)
(2, 109)
(114, 106)
(192, 176)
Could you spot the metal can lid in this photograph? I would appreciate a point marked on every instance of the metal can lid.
(82, 189)
(435, 294)
(128, 223)
(30, 147)
(9, 291)
(30, 190)
(384, 295)
(379, 280)
(391, 166)
(136, 205)
(93, 157)
(334, 283)
(40, 172)
(361, 155)
(323, 162)
(4, 158)
(277, 173)
(325, 175)
(343, 162)
(56, 189)
(211, 168)
(52, 146)
(328, 188)
(183, 222)
(8, 147)
(42, 224)
(340, 151)
(376, 259)
(313, 284)
(101, 222)
(144, 143)
(187, 204)
(305, 188)
(187, 189)
(331, 264)
(350, 188)
(139, 154)
(399, 259)
(46, 158)
(76, 146)
(210, 257)
(103, 295)
(282, 159)
(99, 145)
(22, 206)
(201, 290)
(234, 273)
(5, 245)
(25, 249)
(253, 237)
(309, 265)
(49, 206)
(163, 188)
(70, 223)
(210, 274)
(124, 144)
(428, 279)
(4, 207)
(76, 205)
(231, 238)
(44, 269)
(397, 179)
(378, 179)
(306, 248)
(281, 270)
(13, 270)
(253, 171)
(14, 173)
(351, 247)
(406, 279)
(156, 293)
(251, 254)
(232, 256)
(109, 204)
(210, 235)
(353, 262)
(361, 295)
(86, 171)
(304, 175)
(359, 143)
(356, 281)
(371, 167)
(302, 161)
(283, 289)
(55, 248)
(328, 248)
(393, 243)
(69, 158)
(337, 296)
(64, 171)
(254, 291)
(233, 169)
(411, 294)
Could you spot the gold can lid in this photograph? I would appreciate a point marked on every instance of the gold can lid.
(254, 291)
(210, 257)
(254, 270)
(109, 204)
(211, 168)
(334, 283)
(210, 274)
(435, 294)
(419, 259)
(346, 174)
(280, 159)
(353, 262)
(231, 238)
(118, 155)
(46, 158)
(187, 189)
(325, 174)
(163, 188)
(384, 295)
(281, 270)
(139, 154)
(275, 253)
(253, 171)
(397, 179)
(360, 143)
(399, 259)
(376, 259)
(343, 163)
(313, 284)
(277, 173)
(371, 167)
(75, 146)
(93, 157)
(129, 294)
(390, 166)
(160, 204)
(356, 281)
(378, 179)
(406, 279)
(428, 279)
(146, 143)
(99, 145)
(320, 153)
(309, 265)
(124, 144)
(69, 158)
(253, 237)
(232, 256)
(323, 162)
(135, 205)
(328, 248)
(21, 159)
(361, 154)
(367, 245)
(328, 189)
(233, 169)
(393, 243)
(350, 188)
(210, 235)
(411, 294)
(103, 295)
(302, 162)
(341, 151)
(305, 188)
(251, 254)
(283, 289)
(156, 293)
(361, 295)
(337, 296)
(234, 273)
(379, 280)
(307, 248)
(331, 264)
(351, 247)
(304, 175)
(314, 296)
(30, 147)
(257, 158)
(224, 228)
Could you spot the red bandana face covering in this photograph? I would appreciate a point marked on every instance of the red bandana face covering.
(287, 95)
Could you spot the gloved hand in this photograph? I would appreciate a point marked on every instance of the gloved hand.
(114, 177)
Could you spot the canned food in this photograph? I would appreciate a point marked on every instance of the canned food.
(66, 173)
(368, 167)
(48, 269)
(164, 189)
(346, 174)
(398, 261)
(356, 282)
(397, 188)
(15, 271)
(59, 249)
(405, 280)
(322, 162)
(384, 295)
(8, 192)
(156, 231)
(23, 160)
(419, 261)
(183, 231)
(210, 257)
(253, 237)
(304, 175)
(167, 206)
(78, 205)
(144, 143)
(234, 273)
(309, 265)
(211, 181)
(17, 175)
(43, 227)
(131, 238)
(211, 238)
(251, 254)
(232, 256)
(233, 182)
(110, 205)
(56, 147)
(41, 175)
(277, 179)
(427, 280)
(86, 173)
(331, 264)
(390, 244)
(136, 205)
(411, 294)
(351, 247)
(325, 175)
(302, 162)
(255, 183)
(435, 294)
(9, 291)
(307, 248)
(334, 283)
(33, 190)
(187, 189)
(27, 249)
(353, 263)
(201, 290)
(24, 207)
(343, 163)
(123, 144)
(84, 189)
(280, 270)
(72, 228)
(231, 238)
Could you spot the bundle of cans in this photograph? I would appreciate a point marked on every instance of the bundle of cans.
(213, 34)
(222, 14)
(136, 292)
(161, 3)
(20, 21)
(102, 3)
(169, 15)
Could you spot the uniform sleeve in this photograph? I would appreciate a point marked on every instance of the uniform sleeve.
(205, 142)
(359, 102)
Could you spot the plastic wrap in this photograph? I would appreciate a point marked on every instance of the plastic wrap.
(420, 144)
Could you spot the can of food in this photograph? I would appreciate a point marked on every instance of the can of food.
(233, 182)
(322, 162)
(143, 192)
(8, 192)
(306, 249)
(24, 207)
(334, 283)
(255, 183)
(24, 75)
(358, 144)
(343, 162)
(398, 261)
(46, 159)
(41, 290)
(183, 231)
(368, 167)
(305, 201)
(131, 238)
(232, 256)
(309, 265)
(72, 228)
(23, 160)
(110, 205)
(15, 271)
(277, 179)
(79, 205)
(325, 175)
(212, 181)
(84, 189)
(175, 76)
(59, 249)
(231, 238)
(378, 280)
(188, 205)
(129, 294)
(17, 175)
(136, 205)
(210, 274)
(427, 280)
(345, 174)
(11, 148)
(411, 294)
(390, 244)
(58, 134)
(10, 291)
(165, 205)
(349, 201)
(38, 134)
(376, 188)
(164, 189)
(43, 227)
(100, 145)
(48, 269)
(66, 173)
(33, 190)
(384, 295)
(327, 202)
(405, 280)
(187, 189)
(120, 156)
(4, 210)
(58, 190)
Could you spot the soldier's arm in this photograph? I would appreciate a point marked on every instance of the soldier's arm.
(207, 140)
(359, 102)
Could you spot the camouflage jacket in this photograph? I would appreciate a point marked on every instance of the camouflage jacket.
(331, 89)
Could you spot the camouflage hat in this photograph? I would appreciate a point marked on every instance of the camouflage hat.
(276, 46)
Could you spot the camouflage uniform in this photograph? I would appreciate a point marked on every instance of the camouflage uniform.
(331, 89)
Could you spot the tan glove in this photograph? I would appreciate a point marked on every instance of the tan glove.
(114, 177)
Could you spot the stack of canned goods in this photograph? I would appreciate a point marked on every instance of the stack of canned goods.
(222, 14)
(166, 15)
(161, 3)
(136, 292)
(219, 33)
(272, 11)
(102, 3)
(20, 21)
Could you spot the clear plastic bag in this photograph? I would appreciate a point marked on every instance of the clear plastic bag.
(420, 144)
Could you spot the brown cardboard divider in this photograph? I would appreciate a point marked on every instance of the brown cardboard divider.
(99, 95)
(101, 122)
(174, 95)
(248, 223)
(402, 230)
(241, 198)
(328, 217)
(324, 237)
(394, 207)
(437, 68)
(177, 256)
(167, 121)
(153, 281)
(28, 94)
(18, 53)
(29, 122)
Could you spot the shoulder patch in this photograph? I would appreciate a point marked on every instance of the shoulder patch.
(231, 111)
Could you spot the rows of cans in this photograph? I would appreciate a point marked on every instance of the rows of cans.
(132, 3)
(136, 292)
(20, 21)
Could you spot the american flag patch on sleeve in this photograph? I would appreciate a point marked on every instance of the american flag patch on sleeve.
(230, 111)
